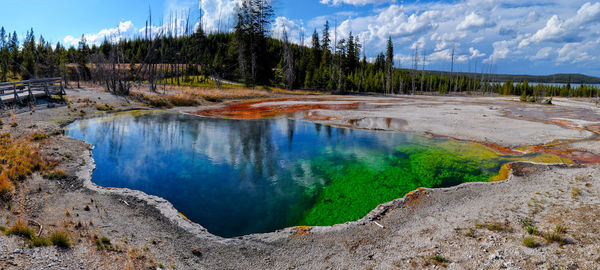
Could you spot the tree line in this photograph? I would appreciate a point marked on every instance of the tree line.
(248, 54)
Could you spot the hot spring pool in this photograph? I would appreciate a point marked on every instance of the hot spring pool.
(236, 177)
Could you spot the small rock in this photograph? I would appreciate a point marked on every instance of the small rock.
(17, 251)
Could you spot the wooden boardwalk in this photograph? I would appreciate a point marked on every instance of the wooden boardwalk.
(30, 90)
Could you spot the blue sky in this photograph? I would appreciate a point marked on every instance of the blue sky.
(511, 36)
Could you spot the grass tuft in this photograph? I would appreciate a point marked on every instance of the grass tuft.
(182, 100)
(555, 238)
(439, 259)
(60, 239)
(104, 108)
(21, 229)
(56, 174)
(495, 226)
(38, 136)
(40, 242)
(560, 229)
(103, 243)
(530, 242)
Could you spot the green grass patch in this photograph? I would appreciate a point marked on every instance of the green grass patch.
(21, 229)
(40, 242)
(530, 242)
(104, 108)
(60, 239)
(439, 259)
(38, 136)
(495, 226)
(103, 243)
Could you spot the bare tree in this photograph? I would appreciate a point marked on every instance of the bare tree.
(288, 62)
(415, 70)
(423, 72)
(451, 71)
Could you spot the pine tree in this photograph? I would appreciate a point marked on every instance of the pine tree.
(389, 65)
(29, 64)
(4, 56)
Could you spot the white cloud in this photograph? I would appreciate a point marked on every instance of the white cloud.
(558, 30)
(496, 31)
(354, 2)
(294, 30)
(475, 53)
(474, 22)
(218, 14)
(543, 53)
(124, 30)
(577, 52)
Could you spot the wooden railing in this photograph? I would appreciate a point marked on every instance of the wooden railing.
(17, 92)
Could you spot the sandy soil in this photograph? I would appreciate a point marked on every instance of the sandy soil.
(472, 226)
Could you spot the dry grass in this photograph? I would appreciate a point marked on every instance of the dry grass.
(56, 174)
(60, 239)
(216, 95)
(21, 229)
(191, 96)
(18, 159)
(530, 242)
(38, 136)
(496, 226)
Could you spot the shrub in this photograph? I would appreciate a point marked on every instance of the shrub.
(532, 230)
(152, 100)
(60, 239)
(575, 192)
(20, 158)
(560, 229)
(6, 187)
(38, 136)
(555, 238)
(21, 229)
(182, 100)
(103, 243)
(104, 108)
(439, 259)
(530, 242)
(523, 97)
(40, 242)
(495, 226)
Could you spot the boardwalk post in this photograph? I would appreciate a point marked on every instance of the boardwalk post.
(46, 89)
(61, 90)
(31, 96)
(17, 98)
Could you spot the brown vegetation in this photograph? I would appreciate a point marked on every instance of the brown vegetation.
(18, 159)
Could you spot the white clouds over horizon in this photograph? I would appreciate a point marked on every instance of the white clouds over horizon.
(562, 34)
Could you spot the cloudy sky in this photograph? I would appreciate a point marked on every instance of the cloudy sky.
(515, 36)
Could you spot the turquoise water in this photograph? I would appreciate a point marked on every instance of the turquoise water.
(237, 177)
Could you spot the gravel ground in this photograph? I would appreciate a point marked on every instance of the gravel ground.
(471, 226)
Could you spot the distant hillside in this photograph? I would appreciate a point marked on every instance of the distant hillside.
(554, 78)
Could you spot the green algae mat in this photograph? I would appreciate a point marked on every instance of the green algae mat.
(237, 177)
